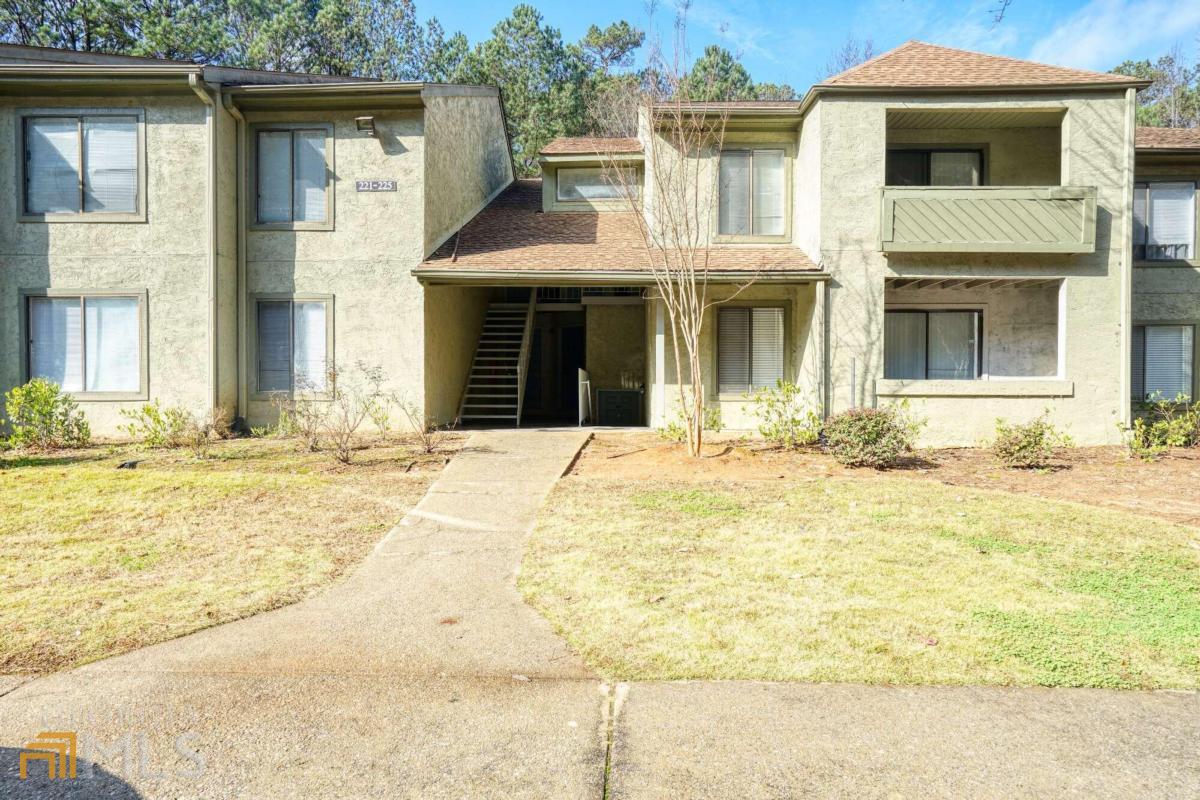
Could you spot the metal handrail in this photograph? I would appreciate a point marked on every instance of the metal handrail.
(523, 359)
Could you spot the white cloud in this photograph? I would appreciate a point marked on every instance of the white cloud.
(1104, 33)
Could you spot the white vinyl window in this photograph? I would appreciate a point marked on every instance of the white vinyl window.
(1163, 359)
(752, 193)
(594, 183)
(1164, 220)
(750, 348)
(86, 343)
(293, 349)
(292, 178)
(84, 164)
(932, 345)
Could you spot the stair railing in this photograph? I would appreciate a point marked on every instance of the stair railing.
(523, 360)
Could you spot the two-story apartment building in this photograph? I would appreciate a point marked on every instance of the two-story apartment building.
(976, 236)
(212, 237)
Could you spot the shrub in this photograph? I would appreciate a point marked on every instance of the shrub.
(43, 418)
(783, 417)
(871, 437)
(429, 434)
(676, 429)
(201, 431)
(1161, 424)
(156, 426)
(1030, 445)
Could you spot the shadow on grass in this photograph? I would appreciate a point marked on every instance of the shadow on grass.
(55, 459)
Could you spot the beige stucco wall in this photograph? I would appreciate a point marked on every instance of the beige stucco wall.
(615, 337)
(467, 160)
(1014, 156)
(802, 354)
(1095, 142)
(453, 320)
(166, 256)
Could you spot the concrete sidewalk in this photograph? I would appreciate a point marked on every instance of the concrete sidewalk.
(424, 675)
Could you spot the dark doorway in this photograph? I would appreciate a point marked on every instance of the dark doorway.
(556, 354)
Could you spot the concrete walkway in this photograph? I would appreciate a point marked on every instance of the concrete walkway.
(423, 675)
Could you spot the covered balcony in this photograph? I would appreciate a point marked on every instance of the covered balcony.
(965, 180)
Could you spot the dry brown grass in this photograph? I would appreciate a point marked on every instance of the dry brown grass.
(95, 561)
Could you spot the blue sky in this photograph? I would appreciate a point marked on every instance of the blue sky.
(792, 41)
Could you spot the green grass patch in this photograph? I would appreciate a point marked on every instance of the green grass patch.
(876, 580)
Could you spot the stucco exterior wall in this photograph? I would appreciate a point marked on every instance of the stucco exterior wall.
(806, 188)
(453, 320)
(801, 356)
(1096, 149)
(364, 262)
(467, 160)
(1014, 156)
(614, 337)
(166, 256)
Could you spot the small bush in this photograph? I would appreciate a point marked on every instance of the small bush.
(156, 426)
(43, 418)
(784, 418)
(676, 429)
(430, 435)
(201, 431)
(1161, 424)
(1029, 445)
(871, 437)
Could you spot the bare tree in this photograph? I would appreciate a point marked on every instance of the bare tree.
(682, 142)
(852, 53)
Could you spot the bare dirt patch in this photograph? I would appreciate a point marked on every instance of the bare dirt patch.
(1102, 476)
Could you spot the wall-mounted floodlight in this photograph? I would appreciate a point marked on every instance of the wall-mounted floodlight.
(365, 125)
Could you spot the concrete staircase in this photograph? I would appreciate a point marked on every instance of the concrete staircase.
(496, 384)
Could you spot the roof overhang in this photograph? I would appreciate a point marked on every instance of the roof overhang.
(348, 95)
(819, 89)
(591, 158)
(737, 115)
(433, 276)
(92, 78)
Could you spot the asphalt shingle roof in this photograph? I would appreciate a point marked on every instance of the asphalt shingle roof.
(587, 145)
(1168, 138)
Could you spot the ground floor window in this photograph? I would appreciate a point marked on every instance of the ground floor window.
(1162, 361)
(932, 345)
(293, 345)
(750, 348)
(86, 343)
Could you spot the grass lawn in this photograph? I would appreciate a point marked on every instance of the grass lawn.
(876, 580)
(96, 561)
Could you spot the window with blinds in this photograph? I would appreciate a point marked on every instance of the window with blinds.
(916, 167)
(81, 164)
(293, 349)
(86, 343)
(751, 196)
(292, 176)
(1164, 220)
(1163, 357)
(750, 348)
(932, 345)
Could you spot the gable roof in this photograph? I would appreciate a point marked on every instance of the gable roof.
(1168, 138)
(919, 65)
(512, 236)
(590, 145)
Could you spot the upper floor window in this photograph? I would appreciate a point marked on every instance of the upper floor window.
(932, 345)
(751, 195)
(293, 182)
(1164, 220)
(87, 343)
(576, 184)
(750, 348)
(1163, 358)
(80, 164)
(928, 167)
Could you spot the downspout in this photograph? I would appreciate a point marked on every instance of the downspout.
(242, 396)
(210, 121)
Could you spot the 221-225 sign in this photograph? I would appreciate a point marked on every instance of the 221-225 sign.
(375, 186)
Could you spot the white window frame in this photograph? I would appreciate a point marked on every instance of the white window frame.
(1141, 251)
(24, 215)
(253, 222)
(981, 367)
(1195, 326)
(27, 296)
(732, 146)
(716, 345)
(253, 366)
(634, 185)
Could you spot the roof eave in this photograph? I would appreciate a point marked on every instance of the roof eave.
(584, 277)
